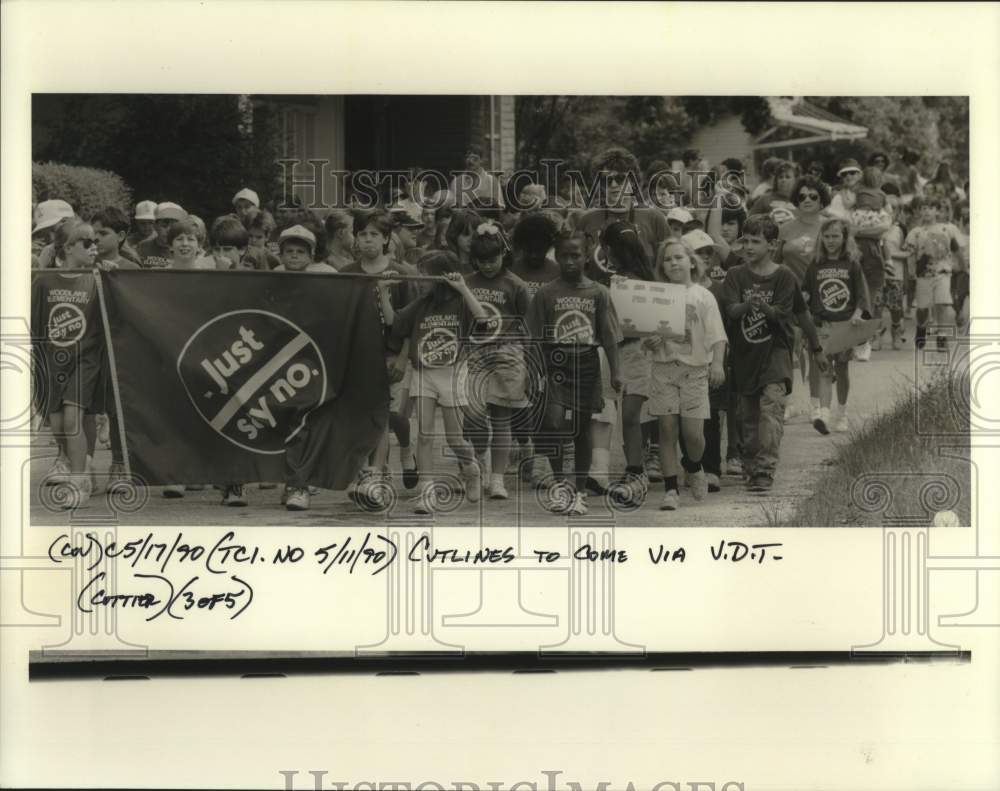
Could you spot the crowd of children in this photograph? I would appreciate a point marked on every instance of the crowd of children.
(512, 335)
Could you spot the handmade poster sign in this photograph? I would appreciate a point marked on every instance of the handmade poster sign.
(839, 336)
(646, 308)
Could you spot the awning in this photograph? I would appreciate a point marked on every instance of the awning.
(793, 112)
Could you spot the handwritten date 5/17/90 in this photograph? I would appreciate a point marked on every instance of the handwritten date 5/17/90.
(163, 597)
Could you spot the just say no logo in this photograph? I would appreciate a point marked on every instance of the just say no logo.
(253, 376)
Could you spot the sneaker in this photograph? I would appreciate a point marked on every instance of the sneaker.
(653, 470)
(423, 503)
(174, 491)
(760, 483)
(863, 352)
(313, 490)
(560, 498)
(714, 485)
(734, 467)
(897, 337)
(822, 420)
(579, 505)
(235, 496)
(671, 501)
(58, 472)
(408, 463)
(496, 489)
(296, 499)
(595, 487)
(473, 476)
(103, 431)
(630, 490)
(699, 485)
(79, 491)
(840, 423)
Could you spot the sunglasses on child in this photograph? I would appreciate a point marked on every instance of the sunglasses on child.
(87, 243)
(808, 196)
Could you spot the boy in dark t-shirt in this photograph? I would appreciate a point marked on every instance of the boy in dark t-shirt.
(572, 317)
(760, 298)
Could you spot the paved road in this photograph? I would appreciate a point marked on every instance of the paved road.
(876, 385)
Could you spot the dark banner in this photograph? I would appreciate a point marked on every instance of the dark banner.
(236, 377)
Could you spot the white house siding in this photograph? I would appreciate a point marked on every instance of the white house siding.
(508, 133)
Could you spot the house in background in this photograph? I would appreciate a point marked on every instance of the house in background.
(795, 122)
(389, 132)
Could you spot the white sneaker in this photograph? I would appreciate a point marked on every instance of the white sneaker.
(840, 422)
(814, 410)
(79, 492)
(714, 485)
(579, 505)
(423, 503)
(496, 489)
(671, 501)
(699, 485)
(560, 498)
(473, 476)
(58, 472)
(734, 467)
(863, 353)
(296, 499)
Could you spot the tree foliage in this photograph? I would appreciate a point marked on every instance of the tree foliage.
(194, 150)
(87, 190)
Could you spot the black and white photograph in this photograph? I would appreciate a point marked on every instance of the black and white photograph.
(671, 310)
(499, 396)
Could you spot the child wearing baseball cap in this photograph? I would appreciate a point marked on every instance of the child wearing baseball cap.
(142, 223)
(297, 246)
(155, 251)
(244, 201)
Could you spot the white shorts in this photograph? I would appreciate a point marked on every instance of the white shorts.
(934, 290)
(636, 366)
(447, 385)
(679, 389)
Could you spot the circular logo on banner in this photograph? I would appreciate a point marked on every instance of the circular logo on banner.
(754, 326)
(251, 375)
(438, 348)
(67, 324)
(488, 328)
(834, 294)
(574, 326)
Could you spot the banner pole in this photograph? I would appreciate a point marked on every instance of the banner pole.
(119, 413)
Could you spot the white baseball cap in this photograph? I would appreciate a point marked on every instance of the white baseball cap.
(170, 211)
(49, 213)
(698, 239)
(247, 194)
(680, 215)
(145, 210)
(300, 233)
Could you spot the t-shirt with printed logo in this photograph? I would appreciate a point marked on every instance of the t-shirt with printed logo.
(760, 346)
(574, 315)
(437, 330)
(835, 289)
(505, 299)
(703, 328)
(152, 254)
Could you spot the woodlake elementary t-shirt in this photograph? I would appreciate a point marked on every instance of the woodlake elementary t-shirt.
(574, 315)
(761, 347)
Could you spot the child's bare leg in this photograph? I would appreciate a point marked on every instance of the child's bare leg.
(453, 434)
(426, 408)
(56, 425)
(500, 449)
(825, 387)
(669, 432)
(843, 382)
(90, 431)
(632, 430)
(693, 430)
(76, 441)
